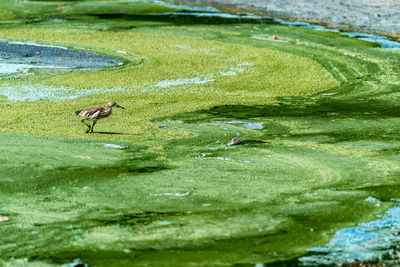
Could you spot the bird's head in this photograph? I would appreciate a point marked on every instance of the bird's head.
(114, 104)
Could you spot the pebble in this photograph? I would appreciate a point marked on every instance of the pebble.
(235, 142)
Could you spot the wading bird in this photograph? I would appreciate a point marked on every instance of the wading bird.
(96, 113)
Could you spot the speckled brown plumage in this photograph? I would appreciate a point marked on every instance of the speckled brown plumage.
(96, 113)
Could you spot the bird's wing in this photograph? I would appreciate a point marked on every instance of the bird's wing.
(91, 113)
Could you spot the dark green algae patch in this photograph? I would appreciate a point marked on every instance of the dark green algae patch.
(179, 195)
(35, 164)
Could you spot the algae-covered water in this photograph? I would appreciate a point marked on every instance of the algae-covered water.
(158, 183)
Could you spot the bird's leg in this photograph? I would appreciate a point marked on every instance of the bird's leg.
(94, 122)
(89, 127)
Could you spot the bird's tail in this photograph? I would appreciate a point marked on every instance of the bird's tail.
(77, 112)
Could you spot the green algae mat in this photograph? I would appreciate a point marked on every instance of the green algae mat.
(157, 183)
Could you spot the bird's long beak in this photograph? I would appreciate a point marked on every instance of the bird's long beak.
(118, 106)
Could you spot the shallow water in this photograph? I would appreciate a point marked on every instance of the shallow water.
(367, 241)
(383, 41)
(211, 12)
(248, 178)
(19, 56)
(248, 125)
(7, 68)
(215, 15)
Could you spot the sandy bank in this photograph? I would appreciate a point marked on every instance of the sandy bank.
(375, 16)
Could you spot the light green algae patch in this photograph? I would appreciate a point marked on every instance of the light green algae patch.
(157, 183)
(141, 84)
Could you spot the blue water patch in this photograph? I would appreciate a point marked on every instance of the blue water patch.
(305, 25)
(254, 125)
(368, 241)
(248, 125)
(215, 15)
(168, 128)
(383, 41)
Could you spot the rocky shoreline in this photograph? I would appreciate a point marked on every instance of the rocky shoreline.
(372, 16)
